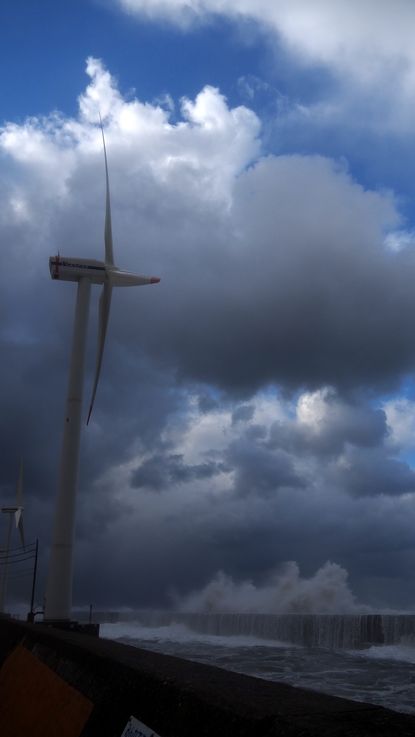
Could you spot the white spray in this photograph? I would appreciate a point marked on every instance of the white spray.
(284, 592)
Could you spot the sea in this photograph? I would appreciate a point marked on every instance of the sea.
(364, 658)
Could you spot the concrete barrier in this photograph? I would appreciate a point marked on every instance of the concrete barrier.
(63, 684)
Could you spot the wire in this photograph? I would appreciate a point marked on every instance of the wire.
(16, 550)
(12, 556)
(7, 562)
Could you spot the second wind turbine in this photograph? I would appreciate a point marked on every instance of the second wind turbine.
(58, 600)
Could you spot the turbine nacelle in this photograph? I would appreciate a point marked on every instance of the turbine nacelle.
(98, 272)
(73, 269)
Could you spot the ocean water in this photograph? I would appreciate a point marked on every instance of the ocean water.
(381, 673)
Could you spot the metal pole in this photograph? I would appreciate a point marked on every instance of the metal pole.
(6, 566)
(32, 598)
(58, 603)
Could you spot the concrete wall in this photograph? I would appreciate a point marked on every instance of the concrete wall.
(61, 684)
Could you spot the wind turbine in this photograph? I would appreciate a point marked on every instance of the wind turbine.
(58, 602)
(15, 512)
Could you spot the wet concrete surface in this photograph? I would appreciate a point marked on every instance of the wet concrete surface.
(179, 698)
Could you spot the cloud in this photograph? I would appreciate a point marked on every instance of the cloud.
(354, 37)
(259, 470)
(371, 473)
(251, 294)
(363, 45)
(161, 471)
(242, 412)
(237, 388)
(253, 507)
(326, 424)
(400, 414)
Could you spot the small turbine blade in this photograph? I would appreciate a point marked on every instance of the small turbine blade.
(19, 525)
(104, 311)
(19, 486)
(109, 255)
(18, 515)
(119, 278)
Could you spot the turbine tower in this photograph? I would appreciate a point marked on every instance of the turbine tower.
(58, 601)
(17, 513)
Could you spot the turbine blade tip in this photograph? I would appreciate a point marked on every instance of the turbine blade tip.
(154, 279)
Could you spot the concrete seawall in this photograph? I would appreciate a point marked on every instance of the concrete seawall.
(62, 684)
(333, 631)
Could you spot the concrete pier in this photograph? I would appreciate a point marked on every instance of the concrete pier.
(62, 683)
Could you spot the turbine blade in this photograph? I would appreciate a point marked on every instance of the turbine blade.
(104, 311)
(109, 255)
(19, 525)
(19, 486)
(119, 278)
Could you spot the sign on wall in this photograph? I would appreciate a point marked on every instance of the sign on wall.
(135, 728)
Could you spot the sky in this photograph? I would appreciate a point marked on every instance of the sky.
(253, 432)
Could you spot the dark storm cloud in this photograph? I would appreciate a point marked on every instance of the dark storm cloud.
(161, 471)
(206, 402)
(297, 297)
(291, 284)
(274, 274)
(343, 424)
(370, 473)
(242, 412)
(264, 511)
(260, 471)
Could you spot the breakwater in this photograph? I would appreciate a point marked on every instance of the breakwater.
(72, 685)
(338, 631)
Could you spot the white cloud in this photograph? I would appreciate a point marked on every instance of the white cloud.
(400, 414)
(365, 42)
(396, 240)
(209, 132)
(54, 164)
(196, 201)
(352, 35)
(313, 407)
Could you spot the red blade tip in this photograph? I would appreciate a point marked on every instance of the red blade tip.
(154, 280)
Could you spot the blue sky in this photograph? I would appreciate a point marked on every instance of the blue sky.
(256, 407)
(44, 46)
(39, 38)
